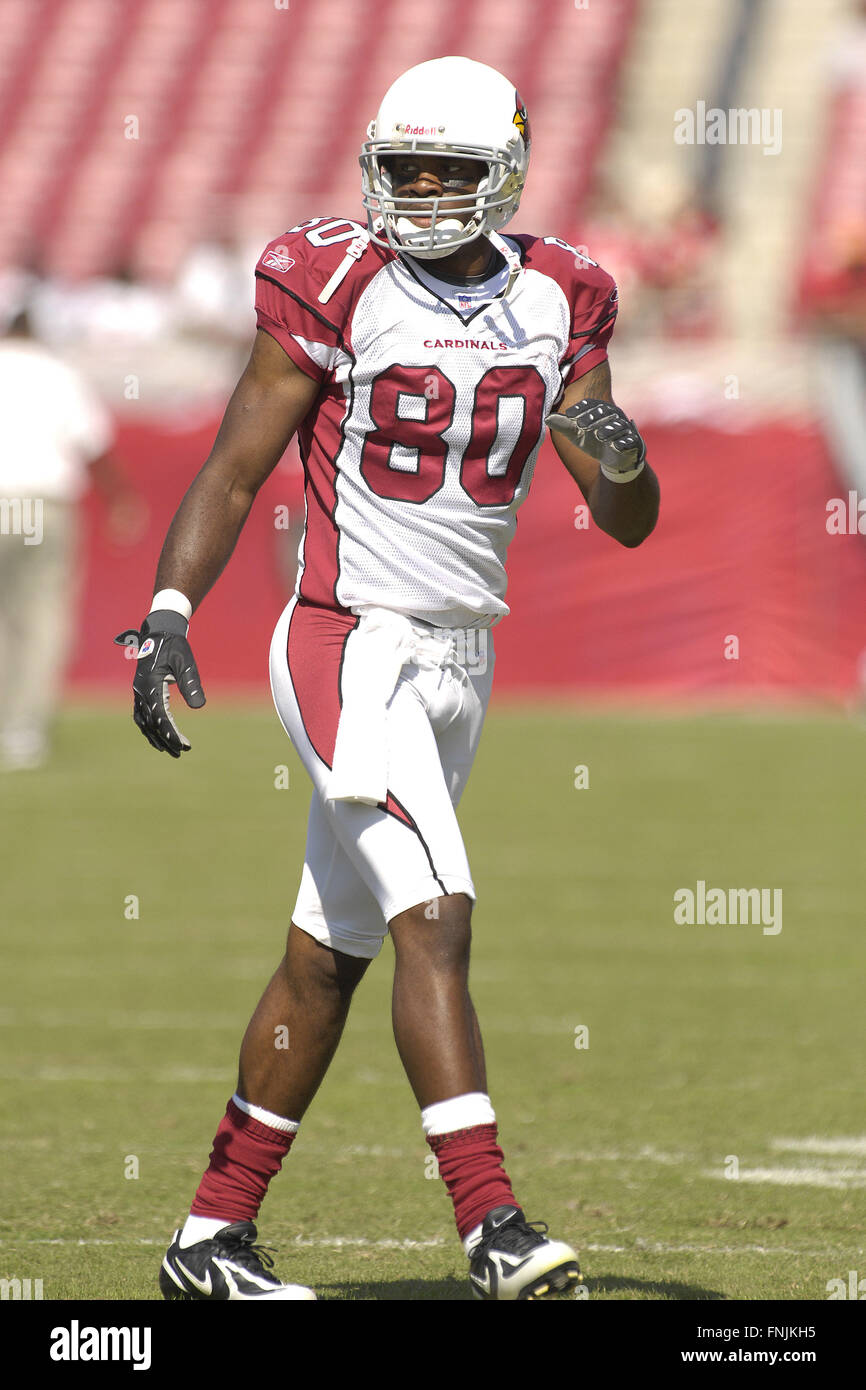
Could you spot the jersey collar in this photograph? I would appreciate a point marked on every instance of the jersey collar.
(471, 298)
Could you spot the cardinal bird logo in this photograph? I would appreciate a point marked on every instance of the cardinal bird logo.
(521, 119)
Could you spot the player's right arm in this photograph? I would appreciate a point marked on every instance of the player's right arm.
(270, 401)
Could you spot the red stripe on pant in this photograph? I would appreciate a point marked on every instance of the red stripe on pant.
(470, 1164)
(245, 1156)
(315, 651)
(314, 655)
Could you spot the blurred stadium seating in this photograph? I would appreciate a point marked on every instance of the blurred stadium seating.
(148, 152)
(254, 112)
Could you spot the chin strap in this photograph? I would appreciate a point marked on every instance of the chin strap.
(354, 252)
(509, 255)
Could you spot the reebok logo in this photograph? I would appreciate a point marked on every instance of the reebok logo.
(277, 260)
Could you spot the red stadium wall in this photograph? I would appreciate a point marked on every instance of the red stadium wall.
(741, 551)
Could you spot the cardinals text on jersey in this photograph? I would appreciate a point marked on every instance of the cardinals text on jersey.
(421, 445)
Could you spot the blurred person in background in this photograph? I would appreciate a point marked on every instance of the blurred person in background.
(55, 440)
(834, 285)
(659, 242)
(213, 296)
(114, 308)
(839, 315)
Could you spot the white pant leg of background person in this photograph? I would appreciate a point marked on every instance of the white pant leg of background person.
(37, 615)
(840, 372)
(363, 864)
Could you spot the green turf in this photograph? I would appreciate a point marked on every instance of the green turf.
(706, 1043)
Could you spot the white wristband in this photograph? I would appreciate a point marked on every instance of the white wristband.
(174, 600)
(624, 477)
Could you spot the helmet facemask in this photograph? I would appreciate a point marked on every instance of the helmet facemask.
(390, 218)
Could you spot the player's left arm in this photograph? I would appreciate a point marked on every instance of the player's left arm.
(628, 510)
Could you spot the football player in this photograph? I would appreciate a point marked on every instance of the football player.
(419, 360)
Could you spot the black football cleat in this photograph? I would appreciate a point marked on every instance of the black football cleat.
(514, 1259)
(229, 1267)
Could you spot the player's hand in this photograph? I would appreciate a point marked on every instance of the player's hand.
(164, 657)
(604, 432)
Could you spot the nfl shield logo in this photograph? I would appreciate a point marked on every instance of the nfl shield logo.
(464, 302)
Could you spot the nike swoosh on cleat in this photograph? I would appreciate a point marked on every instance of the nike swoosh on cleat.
(204, 1288)
(258, 1285)
(173, 1275)
(509, 1267)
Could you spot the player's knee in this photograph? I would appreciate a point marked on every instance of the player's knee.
(439, 931)
(452, 912)
(310, 964)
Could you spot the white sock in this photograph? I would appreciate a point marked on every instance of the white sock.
(201, 1228)
(266, 1117)
(460, 1112)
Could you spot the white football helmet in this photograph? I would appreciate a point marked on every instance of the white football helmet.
(446, 106)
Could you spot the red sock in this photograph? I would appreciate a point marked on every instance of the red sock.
(246, 1154)
(470, 1162)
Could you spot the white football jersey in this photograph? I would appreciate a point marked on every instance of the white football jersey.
(422, 442)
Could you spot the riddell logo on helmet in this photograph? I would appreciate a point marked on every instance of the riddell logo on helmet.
(420, 129)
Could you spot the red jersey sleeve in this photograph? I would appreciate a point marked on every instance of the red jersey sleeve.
(593, 319)
(291, 273)
(592, 301)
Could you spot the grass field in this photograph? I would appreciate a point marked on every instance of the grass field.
(709, 1142)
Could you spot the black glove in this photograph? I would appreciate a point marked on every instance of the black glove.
(605, 433)
(163, 657)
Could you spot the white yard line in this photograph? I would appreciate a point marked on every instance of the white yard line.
(814, 1144)
(161, 1076)
(157, 1021)
(661, 1247)
(638, 1247)
(299, 1242)
(839, 1178)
